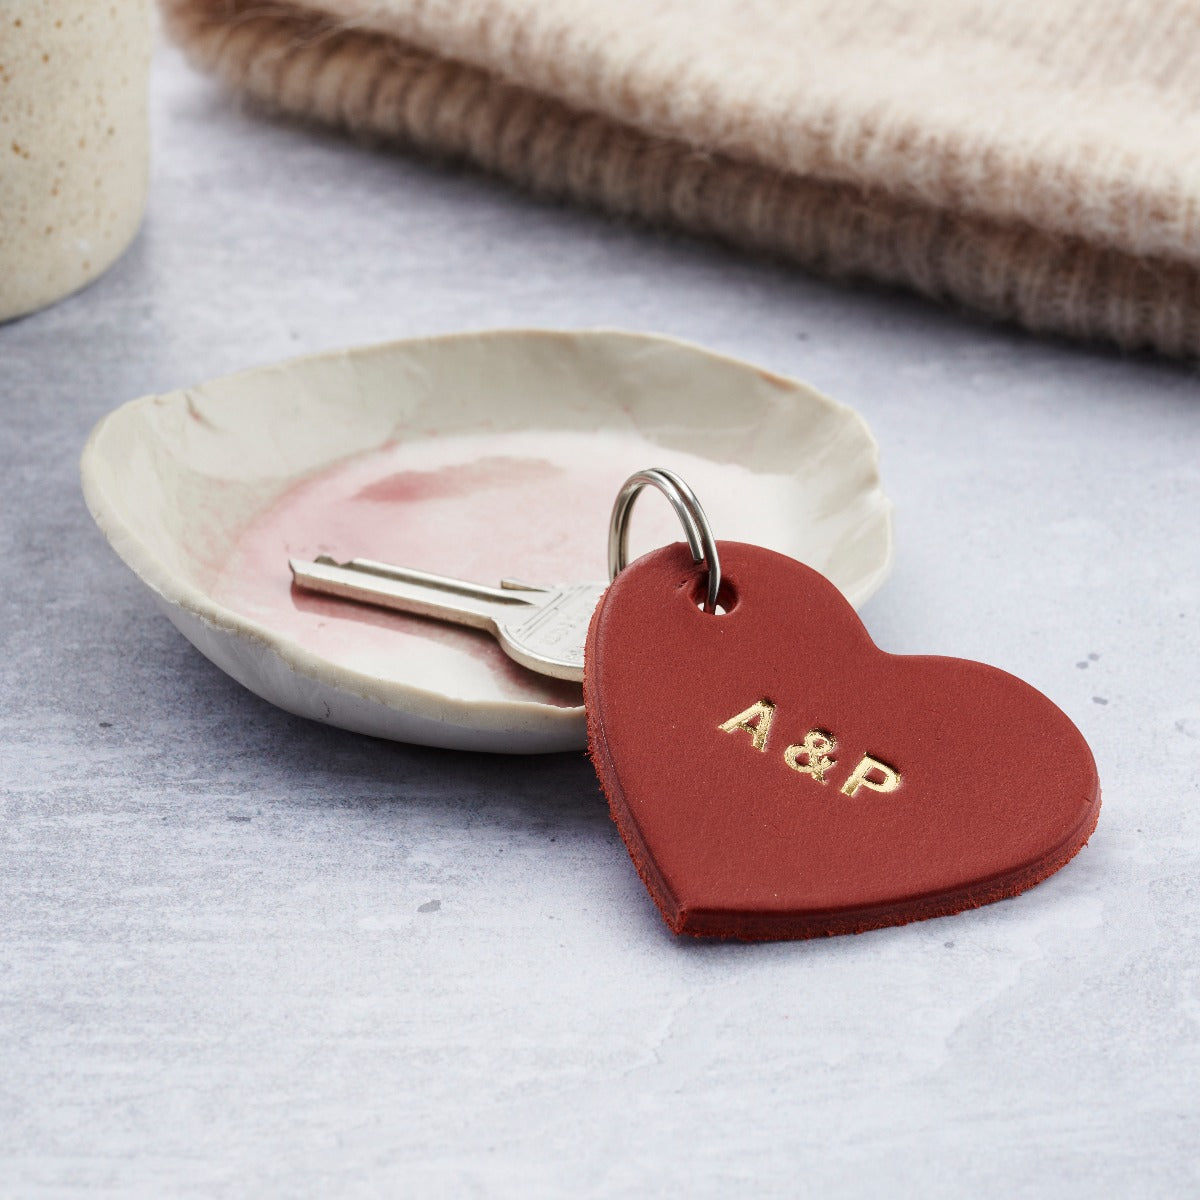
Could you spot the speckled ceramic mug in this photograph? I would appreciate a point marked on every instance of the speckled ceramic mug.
(74, 142)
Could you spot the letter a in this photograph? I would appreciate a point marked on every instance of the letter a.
(756, 721)
(861, 777)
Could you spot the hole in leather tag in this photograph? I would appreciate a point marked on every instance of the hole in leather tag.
(727, 597)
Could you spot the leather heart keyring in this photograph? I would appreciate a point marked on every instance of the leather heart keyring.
(774, 774)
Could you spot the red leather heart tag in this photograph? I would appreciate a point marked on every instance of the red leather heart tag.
(774, 774)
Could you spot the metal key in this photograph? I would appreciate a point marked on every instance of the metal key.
(543, 629)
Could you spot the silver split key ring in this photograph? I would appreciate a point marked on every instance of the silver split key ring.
(690, 513)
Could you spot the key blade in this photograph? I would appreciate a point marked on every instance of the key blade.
(404, 589)
(502, 595)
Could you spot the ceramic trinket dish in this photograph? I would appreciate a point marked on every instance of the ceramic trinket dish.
(474, 455)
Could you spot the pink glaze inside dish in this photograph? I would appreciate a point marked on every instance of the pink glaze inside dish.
(527, 505)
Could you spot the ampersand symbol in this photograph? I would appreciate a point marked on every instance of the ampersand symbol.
(815, 752)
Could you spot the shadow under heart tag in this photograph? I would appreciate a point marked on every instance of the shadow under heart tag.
(774, 774)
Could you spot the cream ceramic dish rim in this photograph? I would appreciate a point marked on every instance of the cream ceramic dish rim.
(407, 700)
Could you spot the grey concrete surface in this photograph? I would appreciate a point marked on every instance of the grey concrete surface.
(244, 955)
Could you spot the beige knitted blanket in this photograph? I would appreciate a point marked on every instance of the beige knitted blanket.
(1037, 160)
